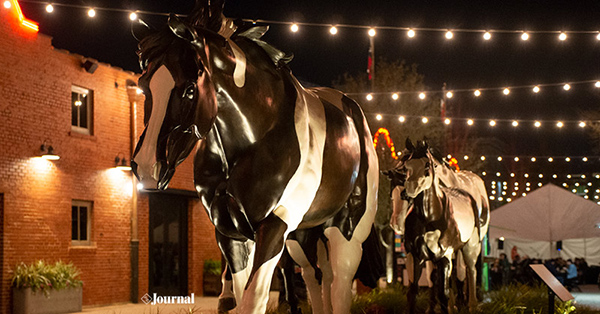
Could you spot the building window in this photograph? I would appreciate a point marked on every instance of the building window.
(81, 110)
(81, 222)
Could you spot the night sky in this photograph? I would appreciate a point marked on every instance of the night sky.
(465, 62)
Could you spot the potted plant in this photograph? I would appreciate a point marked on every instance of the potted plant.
(211, 283)
(46, 288)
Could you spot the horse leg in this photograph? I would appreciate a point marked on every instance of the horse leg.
(327, 279)
(461, 275)
(305, 257)
(413, 269)
(444, 270)
(288, 295)
(345, 258)
(470, 253)
(237, 255)
(270, 240)
(227, 297)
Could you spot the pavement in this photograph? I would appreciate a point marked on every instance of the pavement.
(589, 296)
(201, 305)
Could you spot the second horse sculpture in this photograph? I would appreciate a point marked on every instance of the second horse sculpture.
(450, 217)
(272, 156)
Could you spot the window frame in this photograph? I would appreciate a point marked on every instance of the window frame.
(88, 205)
(89, 114)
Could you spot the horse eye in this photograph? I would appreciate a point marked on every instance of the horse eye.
(189, 92)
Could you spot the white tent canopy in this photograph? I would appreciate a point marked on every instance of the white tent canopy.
(549, 214)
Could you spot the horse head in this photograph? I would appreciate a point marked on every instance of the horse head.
(181, 105)
(419, 168)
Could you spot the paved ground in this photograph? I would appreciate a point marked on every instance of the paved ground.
(589, 296)
(202, 305)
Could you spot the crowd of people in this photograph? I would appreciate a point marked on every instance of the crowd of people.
(570, 273)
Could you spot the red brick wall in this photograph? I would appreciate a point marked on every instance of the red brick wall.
(35, 96)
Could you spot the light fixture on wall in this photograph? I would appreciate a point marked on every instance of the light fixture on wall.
(47, 151)
(121, 162)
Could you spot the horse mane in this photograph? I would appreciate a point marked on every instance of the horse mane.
(255, 34)
(155, 45)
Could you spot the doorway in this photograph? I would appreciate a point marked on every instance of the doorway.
(168, 223)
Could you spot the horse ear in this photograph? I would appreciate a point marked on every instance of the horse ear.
(141, 30)
(409, 145)
(181, 29)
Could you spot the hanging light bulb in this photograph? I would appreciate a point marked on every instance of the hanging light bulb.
(515, 123)
(395, 96)
(536, 89)
(372, 32)
(447, 121)
(424, 120)
(294, 28)
(7, 4)
(49, 8)
(506, 91)
(512, 174)
(449, 94)
(484, 173)
(533, 159)
(584, 159)
(498, 174)
(482, 158)
(369, 97)
(421, 96)
(470, 122)
(401, 119)
(477, 93)
(559, 124)
(597, 84)
(91, 12)
(378, 117)
(566, 87)
(526, 175)
(537, 124)
(499, 158)
(516, 159)
(466, 157)
(410, 33)
(487, 36)
(582, 124)
(333, 30)
(555, 176)
(133, 16)
(598, 36)
(562, 36)
(541, 176)
(492, 122)
(449, 35)
(524, 36)
(550, 159)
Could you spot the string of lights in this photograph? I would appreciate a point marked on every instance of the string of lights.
(476, 92)
(411, 32)
(492, 123)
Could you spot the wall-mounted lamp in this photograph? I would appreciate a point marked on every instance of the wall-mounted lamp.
(47, 151)
(121, 162)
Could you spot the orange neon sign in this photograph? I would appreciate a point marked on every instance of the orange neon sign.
(388, 140)
(454, 163)
(29, 24)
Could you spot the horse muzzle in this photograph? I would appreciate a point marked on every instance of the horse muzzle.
(153, 177)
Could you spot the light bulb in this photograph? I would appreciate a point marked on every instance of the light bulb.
(447, 121)
(470, 122)
(449, 35)
(395, 96)
(424, 120)
(333, 30)
(133, 16)
(369, 97)
(422, 96)
(410, 33)
(49, 8)
(91, 12)
(559, 124)
(566, 87)
(372, 32)
(582, 124)
(506, 91)
(487, 36)
(515, 123)
(562, 36)
(524, 36)
(449, 94)
(477, 93)
(536, 89)
(537, 124)
(492, 122)
(401, 118)
(7, 4)
(378, 117)
(294, 28)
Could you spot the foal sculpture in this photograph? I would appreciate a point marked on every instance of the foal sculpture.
(445, 220)
(272, 157)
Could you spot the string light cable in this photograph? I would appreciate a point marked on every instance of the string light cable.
(411, 32)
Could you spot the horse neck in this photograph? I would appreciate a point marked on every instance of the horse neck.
(433, 198)
(445, 175)
(247, 113)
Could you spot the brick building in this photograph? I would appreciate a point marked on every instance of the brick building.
(81, 208)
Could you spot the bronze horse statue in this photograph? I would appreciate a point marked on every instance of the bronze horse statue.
(449, 215)
(272, 157)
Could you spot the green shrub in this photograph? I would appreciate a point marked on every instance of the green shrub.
(44, 277)
(212, 267)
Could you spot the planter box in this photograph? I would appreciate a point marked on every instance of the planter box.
(67, 300)
(211, 285)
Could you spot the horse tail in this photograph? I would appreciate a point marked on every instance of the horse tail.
(371, 266)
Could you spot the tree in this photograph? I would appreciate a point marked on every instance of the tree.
(395, 76)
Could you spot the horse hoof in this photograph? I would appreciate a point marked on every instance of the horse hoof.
(226, 305)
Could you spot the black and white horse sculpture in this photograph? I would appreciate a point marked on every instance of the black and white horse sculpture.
(272, 157)
(450, 215)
